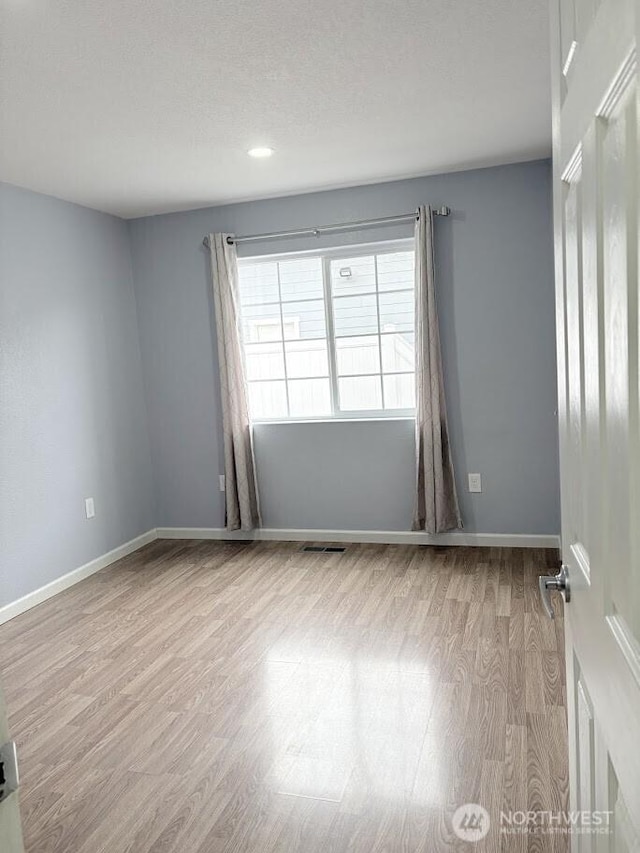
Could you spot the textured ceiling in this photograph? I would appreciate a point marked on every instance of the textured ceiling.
(137, 107)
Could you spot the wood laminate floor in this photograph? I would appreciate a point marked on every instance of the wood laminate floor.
(203, 697)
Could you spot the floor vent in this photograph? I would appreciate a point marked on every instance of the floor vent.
(330, 549)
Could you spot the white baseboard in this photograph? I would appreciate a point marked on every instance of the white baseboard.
(387, 537)
(39, 595)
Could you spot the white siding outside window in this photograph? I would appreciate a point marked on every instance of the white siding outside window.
(329, 334)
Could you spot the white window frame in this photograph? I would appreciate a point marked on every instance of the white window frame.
(326, 256)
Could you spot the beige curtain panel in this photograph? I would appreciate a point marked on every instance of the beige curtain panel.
(241, 492)
(436, 505)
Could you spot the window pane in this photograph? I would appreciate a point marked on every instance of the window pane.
(358, 355)
(301, 279)
(303, 320)
(258, 283)
(399, 391)
(395, 271)
(396, 311)
(398, 352)
(355, 315)
(362, 392)
(309, 397)
(268, 399)
(353, 275)
(261, 323)
(284, 330)
(264, 361)
(307, 358)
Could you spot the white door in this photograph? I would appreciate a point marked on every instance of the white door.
(596, 148)
(10, 829)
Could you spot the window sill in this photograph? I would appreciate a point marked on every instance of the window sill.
(294, 421)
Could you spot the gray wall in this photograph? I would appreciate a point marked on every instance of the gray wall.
(495, 295)
(72, 413)
(343, 475)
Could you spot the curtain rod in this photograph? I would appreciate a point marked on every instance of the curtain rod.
(329, 229)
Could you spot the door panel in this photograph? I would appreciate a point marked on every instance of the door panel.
(617, 151)
(592, 354)
(567, 35)
(573, 216)
(596, 148)
(586, 758)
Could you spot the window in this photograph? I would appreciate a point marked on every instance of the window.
(329, 334)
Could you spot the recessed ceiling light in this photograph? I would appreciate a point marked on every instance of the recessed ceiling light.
(259, 152)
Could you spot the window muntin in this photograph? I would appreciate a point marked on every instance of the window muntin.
(329, 334)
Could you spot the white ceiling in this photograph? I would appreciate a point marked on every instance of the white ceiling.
(137, 107)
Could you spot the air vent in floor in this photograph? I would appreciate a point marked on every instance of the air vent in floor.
(331, 549)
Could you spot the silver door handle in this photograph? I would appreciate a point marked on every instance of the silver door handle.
(8, 770)
(559, 582)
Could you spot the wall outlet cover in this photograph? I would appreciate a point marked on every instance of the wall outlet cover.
(89, 508)
(475, 483)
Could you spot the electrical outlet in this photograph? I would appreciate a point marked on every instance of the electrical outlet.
(89, 508)
(222, 482)
(475, 482)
